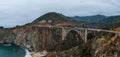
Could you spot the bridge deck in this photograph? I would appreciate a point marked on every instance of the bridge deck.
(90, 29)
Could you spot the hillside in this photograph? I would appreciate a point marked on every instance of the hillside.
(53, 18)
(56, 17)
(100, 21)
(94, 18)
(112, 22)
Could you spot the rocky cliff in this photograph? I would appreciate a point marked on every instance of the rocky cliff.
(45, 41)
(38, 39)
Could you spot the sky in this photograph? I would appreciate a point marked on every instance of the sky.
(20, 12)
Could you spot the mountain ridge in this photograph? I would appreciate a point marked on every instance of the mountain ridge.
(93, 18)
(51, 15)
(54, 18)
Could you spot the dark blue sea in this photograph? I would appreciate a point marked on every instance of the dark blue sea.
(13, 51)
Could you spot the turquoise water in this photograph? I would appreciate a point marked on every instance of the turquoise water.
(12, 51)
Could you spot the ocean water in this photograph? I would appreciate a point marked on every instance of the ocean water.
(13, 51)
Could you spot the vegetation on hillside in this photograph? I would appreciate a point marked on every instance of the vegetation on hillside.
(56, 17)
(112, 22)
(100, 21)
(93, 19)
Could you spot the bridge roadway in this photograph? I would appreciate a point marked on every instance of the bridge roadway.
(89, 29)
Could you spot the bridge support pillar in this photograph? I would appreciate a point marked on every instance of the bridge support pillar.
(119, 34)
(64, 33)
(85, 36)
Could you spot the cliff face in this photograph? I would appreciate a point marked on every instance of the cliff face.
(45, 41)
(38, 38)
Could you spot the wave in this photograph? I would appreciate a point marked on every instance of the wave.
(7, 44)
(28, 54)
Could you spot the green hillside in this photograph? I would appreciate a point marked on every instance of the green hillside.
(112, 22)
(55, 17)
(90, 19)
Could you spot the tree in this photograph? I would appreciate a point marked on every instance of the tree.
(1, 27)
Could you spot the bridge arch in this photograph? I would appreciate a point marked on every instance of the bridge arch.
(81, 32)
(75, 36)
(81, 35)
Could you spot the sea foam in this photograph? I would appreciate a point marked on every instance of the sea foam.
(28, 54)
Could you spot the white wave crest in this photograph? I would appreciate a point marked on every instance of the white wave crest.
(28, 54)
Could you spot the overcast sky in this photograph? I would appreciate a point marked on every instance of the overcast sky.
(19, 12)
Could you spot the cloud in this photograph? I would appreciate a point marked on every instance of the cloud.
(19, 12)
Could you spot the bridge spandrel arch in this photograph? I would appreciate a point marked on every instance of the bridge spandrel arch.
(73, 38)
(78, 31)
(82, 33)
